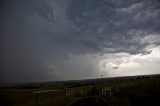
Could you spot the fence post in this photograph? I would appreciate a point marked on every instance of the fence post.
(66, 93)
(102, 91)
(110, 92)
(36, 99)
(81, 92)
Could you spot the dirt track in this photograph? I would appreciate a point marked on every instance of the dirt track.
(92, 99)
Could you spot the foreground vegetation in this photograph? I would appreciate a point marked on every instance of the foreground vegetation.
(137, 91)
(22, 96)
(142, 91)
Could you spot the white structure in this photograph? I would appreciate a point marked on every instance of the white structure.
(106, 90)
(109, 91)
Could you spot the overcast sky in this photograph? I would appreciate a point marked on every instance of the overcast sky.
(45, 40)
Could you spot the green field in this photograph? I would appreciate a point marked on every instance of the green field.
(137, 91)
(21, 96)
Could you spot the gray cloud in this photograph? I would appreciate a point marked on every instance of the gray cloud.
(38, 33)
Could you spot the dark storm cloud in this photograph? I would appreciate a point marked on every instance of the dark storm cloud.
(39, 32)
(91, 26)
(111, 21)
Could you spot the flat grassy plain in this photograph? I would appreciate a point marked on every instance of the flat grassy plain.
(140, 91)
(132, 91)
(24, 96)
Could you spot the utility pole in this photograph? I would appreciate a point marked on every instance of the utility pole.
(101, 78)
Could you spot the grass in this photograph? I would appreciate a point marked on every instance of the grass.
(141, 91)
(138, 92)
(20, 96)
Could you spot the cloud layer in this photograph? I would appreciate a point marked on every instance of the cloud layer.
(61, 40)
